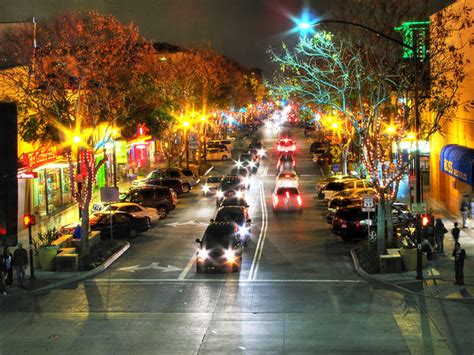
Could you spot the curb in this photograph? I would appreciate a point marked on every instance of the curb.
(366, 276)
(99, 269)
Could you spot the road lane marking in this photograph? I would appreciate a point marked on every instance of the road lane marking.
(188, 267)
(242, 281)
(261, 238)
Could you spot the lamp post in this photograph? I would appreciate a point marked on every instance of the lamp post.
(305, 26)
(204, 121)
(186, 143)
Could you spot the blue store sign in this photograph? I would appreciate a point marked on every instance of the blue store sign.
(457, 161)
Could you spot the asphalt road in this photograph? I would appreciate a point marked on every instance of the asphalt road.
(297, 292)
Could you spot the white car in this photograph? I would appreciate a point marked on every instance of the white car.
(227, 142)
(211, 185)
(135, 210)
(287, 178)
(217, 154)
(336, 186)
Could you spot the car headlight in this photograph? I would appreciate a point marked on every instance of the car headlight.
(219, 194)
(261, 152)
(243, 230)
(205, 188)
(203, 254)
(239, 194)
(246, 181)
(238, 164)
(252, 164)
(229, 255)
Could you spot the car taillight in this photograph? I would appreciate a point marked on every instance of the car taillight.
(275, 199)
(294, 162)
(357, 224)
(278, 164)
(293, 147)
(287, 194)
(279, 148)
(299, 200)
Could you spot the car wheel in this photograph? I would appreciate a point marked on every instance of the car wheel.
(148, 221)
(224, 157)
(372, 236)
(186, 188)
(162, 212)
(133, 233)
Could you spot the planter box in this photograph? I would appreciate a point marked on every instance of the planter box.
(46, 257)
(409, 256)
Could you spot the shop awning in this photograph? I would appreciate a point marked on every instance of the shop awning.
(458, 161)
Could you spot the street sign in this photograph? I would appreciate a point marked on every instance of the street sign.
(335, 151)
(368, 204)
(418, 208)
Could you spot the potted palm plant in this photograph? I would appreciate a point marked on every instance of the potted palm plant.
(46, 251)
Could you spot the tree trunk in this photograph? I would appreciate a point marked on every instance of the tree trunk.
(388, 214)
(381, 225)
(344, 161)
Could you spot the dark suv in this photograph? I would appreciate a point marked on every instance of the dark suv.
(353, 223)
(229, 186)
(238, 215)
(174, 184)
(185, 176)
(219, 248)
(159, 197)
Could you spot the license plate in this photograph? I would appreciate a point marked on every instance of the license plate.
(343, 225)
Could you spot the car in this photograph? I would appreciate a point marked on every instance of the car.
(353, 223)
(217, 154)
(240, 216)
(137, 211)
(355, 194)
(229, 183)
(211, 185)
(174, 184)
(286, 145)
(250, 161)
(219, 146)
(287, 199)
(336, 177)
(334, 205)
(258, 150)
(124, 225)
(287, 178)
(336, 186)
(185, 176)
(220, 248)
(285, 162)
(162, 198)
(315, 146)
(225, 142)
(244, 173)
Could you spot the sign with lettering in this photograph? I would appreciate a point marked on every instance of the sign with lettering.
(458, 161)
(418, 208)
(368, 204)
(40, 156)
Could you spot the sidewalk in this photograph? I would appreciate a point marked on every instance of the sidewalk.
(439, 274)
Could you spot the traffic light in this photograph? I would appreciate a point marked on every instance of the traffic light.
(425, 220)
(29, 220)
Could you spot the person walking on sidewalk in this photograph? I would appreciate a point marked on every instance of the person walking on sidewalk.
(459, 256)
(465, 209)
(455, 232)
(20, 261)
(8, 260)
(439, 232)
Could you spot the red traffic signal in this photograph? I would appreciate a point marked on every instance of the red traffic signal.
(29, 220)
(425, 221)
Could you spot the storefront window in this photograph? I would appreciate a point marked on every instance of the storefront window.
(66, 187)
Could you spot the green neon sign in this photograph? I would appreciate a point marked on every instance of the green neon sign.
(415, 31)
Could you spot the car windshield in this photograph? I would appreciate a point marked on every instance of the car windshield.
(213, 179)
(245, 157)
(153, 174)
(110, 208)
(226, 183)
(284, 190)
(230, 216)
(335, 186)
(215, 239)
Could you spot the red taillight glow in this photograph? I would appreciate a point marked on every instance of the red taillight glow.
(293, 147)
(299, 200)
(294, 162)
(278, 164)
(287, 194)
(279, 148)
(275, 199)
(357, 224)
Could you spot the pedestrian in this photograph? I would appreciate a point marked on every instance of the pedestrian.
(77, 232)
(3, 289)
(465, 209)
(439, 231)
(455, 232)
(20, 261)
(7, 259)
(459, 256)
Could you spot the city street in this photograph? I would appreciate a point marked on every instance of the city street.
(297, 291)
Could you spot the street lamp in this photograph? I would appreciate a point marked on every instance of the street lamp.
(304, 26)
(186, 125)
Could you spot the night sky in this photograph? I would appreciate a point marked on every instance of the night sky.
(240, 29)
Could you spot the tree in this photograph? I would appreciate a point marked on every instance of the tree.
(87, 70)
(372, 88)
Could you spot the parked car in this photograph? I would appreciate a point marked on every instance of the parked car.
(240, 216)
(124, 225)
(211, 185)
(287, 178)
(185, 176)
(159, 197)
(287, 199)
(219, 248)
(336, 186)
(353, 223)
(137, 211)
(355, 194)
(217, 154)
(174, 184)
(336, 177)
(225, 142)
(218, 146)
